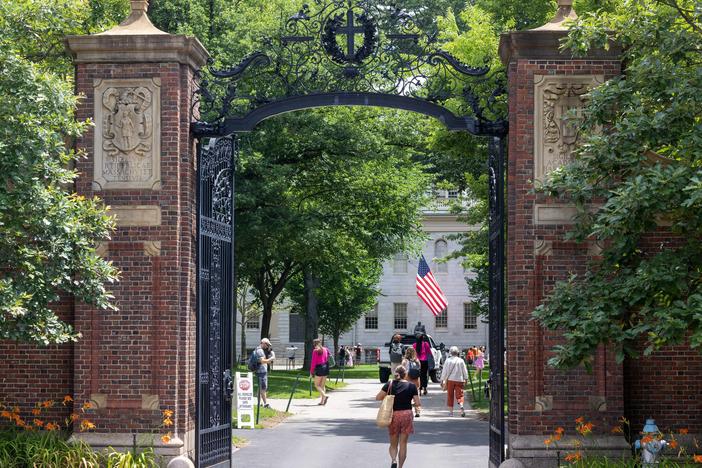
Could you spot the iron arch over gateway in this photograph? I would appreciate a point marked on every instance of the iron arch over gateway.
(397, 66)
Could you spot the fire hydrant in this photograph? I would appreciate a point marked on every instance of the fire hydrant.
(650, 450)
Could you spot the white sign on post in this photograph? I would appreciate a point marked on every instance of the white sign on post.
(244, 400)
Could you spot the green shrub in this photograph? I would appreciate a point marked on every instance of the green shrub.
(22, 449)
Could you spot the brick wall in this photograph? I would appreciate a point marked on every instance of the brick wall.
(30, 374)
(146, 348)
(532, 272)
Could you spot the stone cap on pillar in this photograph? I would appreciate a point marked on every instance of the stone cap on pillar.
(137, 40)
(544, 42)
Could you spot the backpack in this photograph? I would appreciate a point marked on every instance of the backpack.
(396, 352)
(253, 361)
(330, 359)
(414, 369)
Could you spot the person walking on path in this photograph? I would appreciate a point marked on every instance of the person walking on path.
(319, 368)
(453, 378)
(423, 349)
(413, 366)
(395, 353)
(265, 355)
(402, 424)
(479, 362)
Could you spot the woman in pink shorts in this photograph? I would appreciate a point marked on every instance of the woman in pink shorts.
(402, 424)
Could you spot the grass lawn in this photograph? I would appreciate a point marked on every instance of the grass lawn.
(281, 382)
(474, 389)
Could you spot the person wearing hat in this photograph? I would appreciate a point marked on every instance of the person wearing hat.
(265, 355)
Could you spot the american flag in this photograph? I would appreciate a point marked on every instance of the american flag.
(428, 289)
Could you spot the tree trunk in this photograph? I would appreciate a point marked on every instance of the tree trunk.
(266, 319)
(243, 339)
(336, 347)
(311, 315)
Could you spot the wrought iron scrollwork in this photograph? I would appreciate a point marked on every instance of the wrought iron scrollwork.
(344, 46)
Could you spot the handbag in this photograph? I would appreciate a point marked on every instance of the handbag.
(384, 417)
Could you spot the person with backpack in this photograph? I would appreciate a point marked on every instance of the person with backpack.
(322, 361)
(413, 366)
(396, 352)
(258, 363)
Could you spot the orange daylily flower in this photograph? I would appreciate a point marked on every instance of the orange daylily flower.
(6, 414)
(580, 420)
(86, 425)
(36, 411)
(560, 430)
(52, 426)
(74, 416)
(67, 399)
(47, 403)
(683, 430)
(548, 441)
(558, 436)
(87, 405)
(166, 438)
(646, 439)
(38, 422)
(697, 458)
(673, 444)
(168, 422)
(574, 457)
(167, 413)
(617, 430)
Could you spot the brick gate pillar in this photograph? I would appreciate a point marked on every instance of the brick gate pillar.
(544, 84)
(137, 85)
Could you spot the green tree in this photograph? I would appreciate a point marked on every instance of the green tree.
(36, 28)
(307, 180)
(47, 233)
(642, 170)
(347, 289)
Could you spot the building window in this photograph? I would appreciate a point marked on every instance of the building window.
(470, 319)
(399, 263)
(453, 194)
(253, 323)
(372, 319)
(441, 251)
(442, 319)
(400, 316)
(296, 333)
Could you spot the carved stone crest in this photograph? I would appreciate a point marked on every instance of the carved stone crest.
(557, 98)
(127, 134)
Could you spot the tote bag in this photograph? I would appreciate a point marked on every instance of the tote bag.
(384, 417)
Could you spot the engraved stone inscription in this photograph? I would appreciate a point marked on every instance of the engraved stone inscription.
(559, 101)
(127, 136)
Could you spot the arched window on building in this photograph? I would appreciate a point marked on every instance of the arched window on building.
(441, 251)
(399, 263)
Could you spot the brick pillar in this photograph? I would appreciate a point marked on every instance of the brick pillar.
(137, 85)
(543, 85)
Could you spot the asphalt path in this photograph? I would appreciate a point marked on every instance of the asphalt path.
(343, 434)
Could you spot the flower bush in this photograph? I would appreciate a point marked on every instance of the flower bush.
(35, 439)
(580, 459)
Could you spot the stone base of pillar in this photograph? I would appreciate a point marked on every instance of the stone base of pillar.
(533, 453)
(125, 442)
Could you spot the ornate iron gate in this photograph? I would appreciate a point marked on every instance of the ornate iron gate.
(318, 59)
(215, 302)
(496, 150)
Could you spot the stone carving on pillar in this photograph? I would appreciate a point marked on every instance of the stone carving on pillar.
(127, 134)
(556, 130)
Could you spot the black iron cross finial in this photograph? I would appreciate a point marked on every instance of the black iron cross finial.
(350, 30)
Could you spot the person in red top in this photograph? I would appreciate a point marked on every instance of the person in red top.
(319, 368)
(423, 354)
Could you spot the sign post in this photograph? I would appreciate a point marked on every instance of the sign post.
(244, 401)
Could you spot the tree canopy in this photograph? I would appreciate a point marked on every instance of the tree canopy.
(641, 175)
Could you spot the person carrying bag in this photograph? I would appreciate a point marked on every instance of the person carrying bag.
(397, 397)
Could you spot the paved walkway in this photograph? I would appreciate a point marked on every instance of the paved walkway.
(343, 434)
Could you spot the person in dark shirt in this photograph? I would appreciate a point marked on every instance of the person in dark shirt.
(402, 417)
